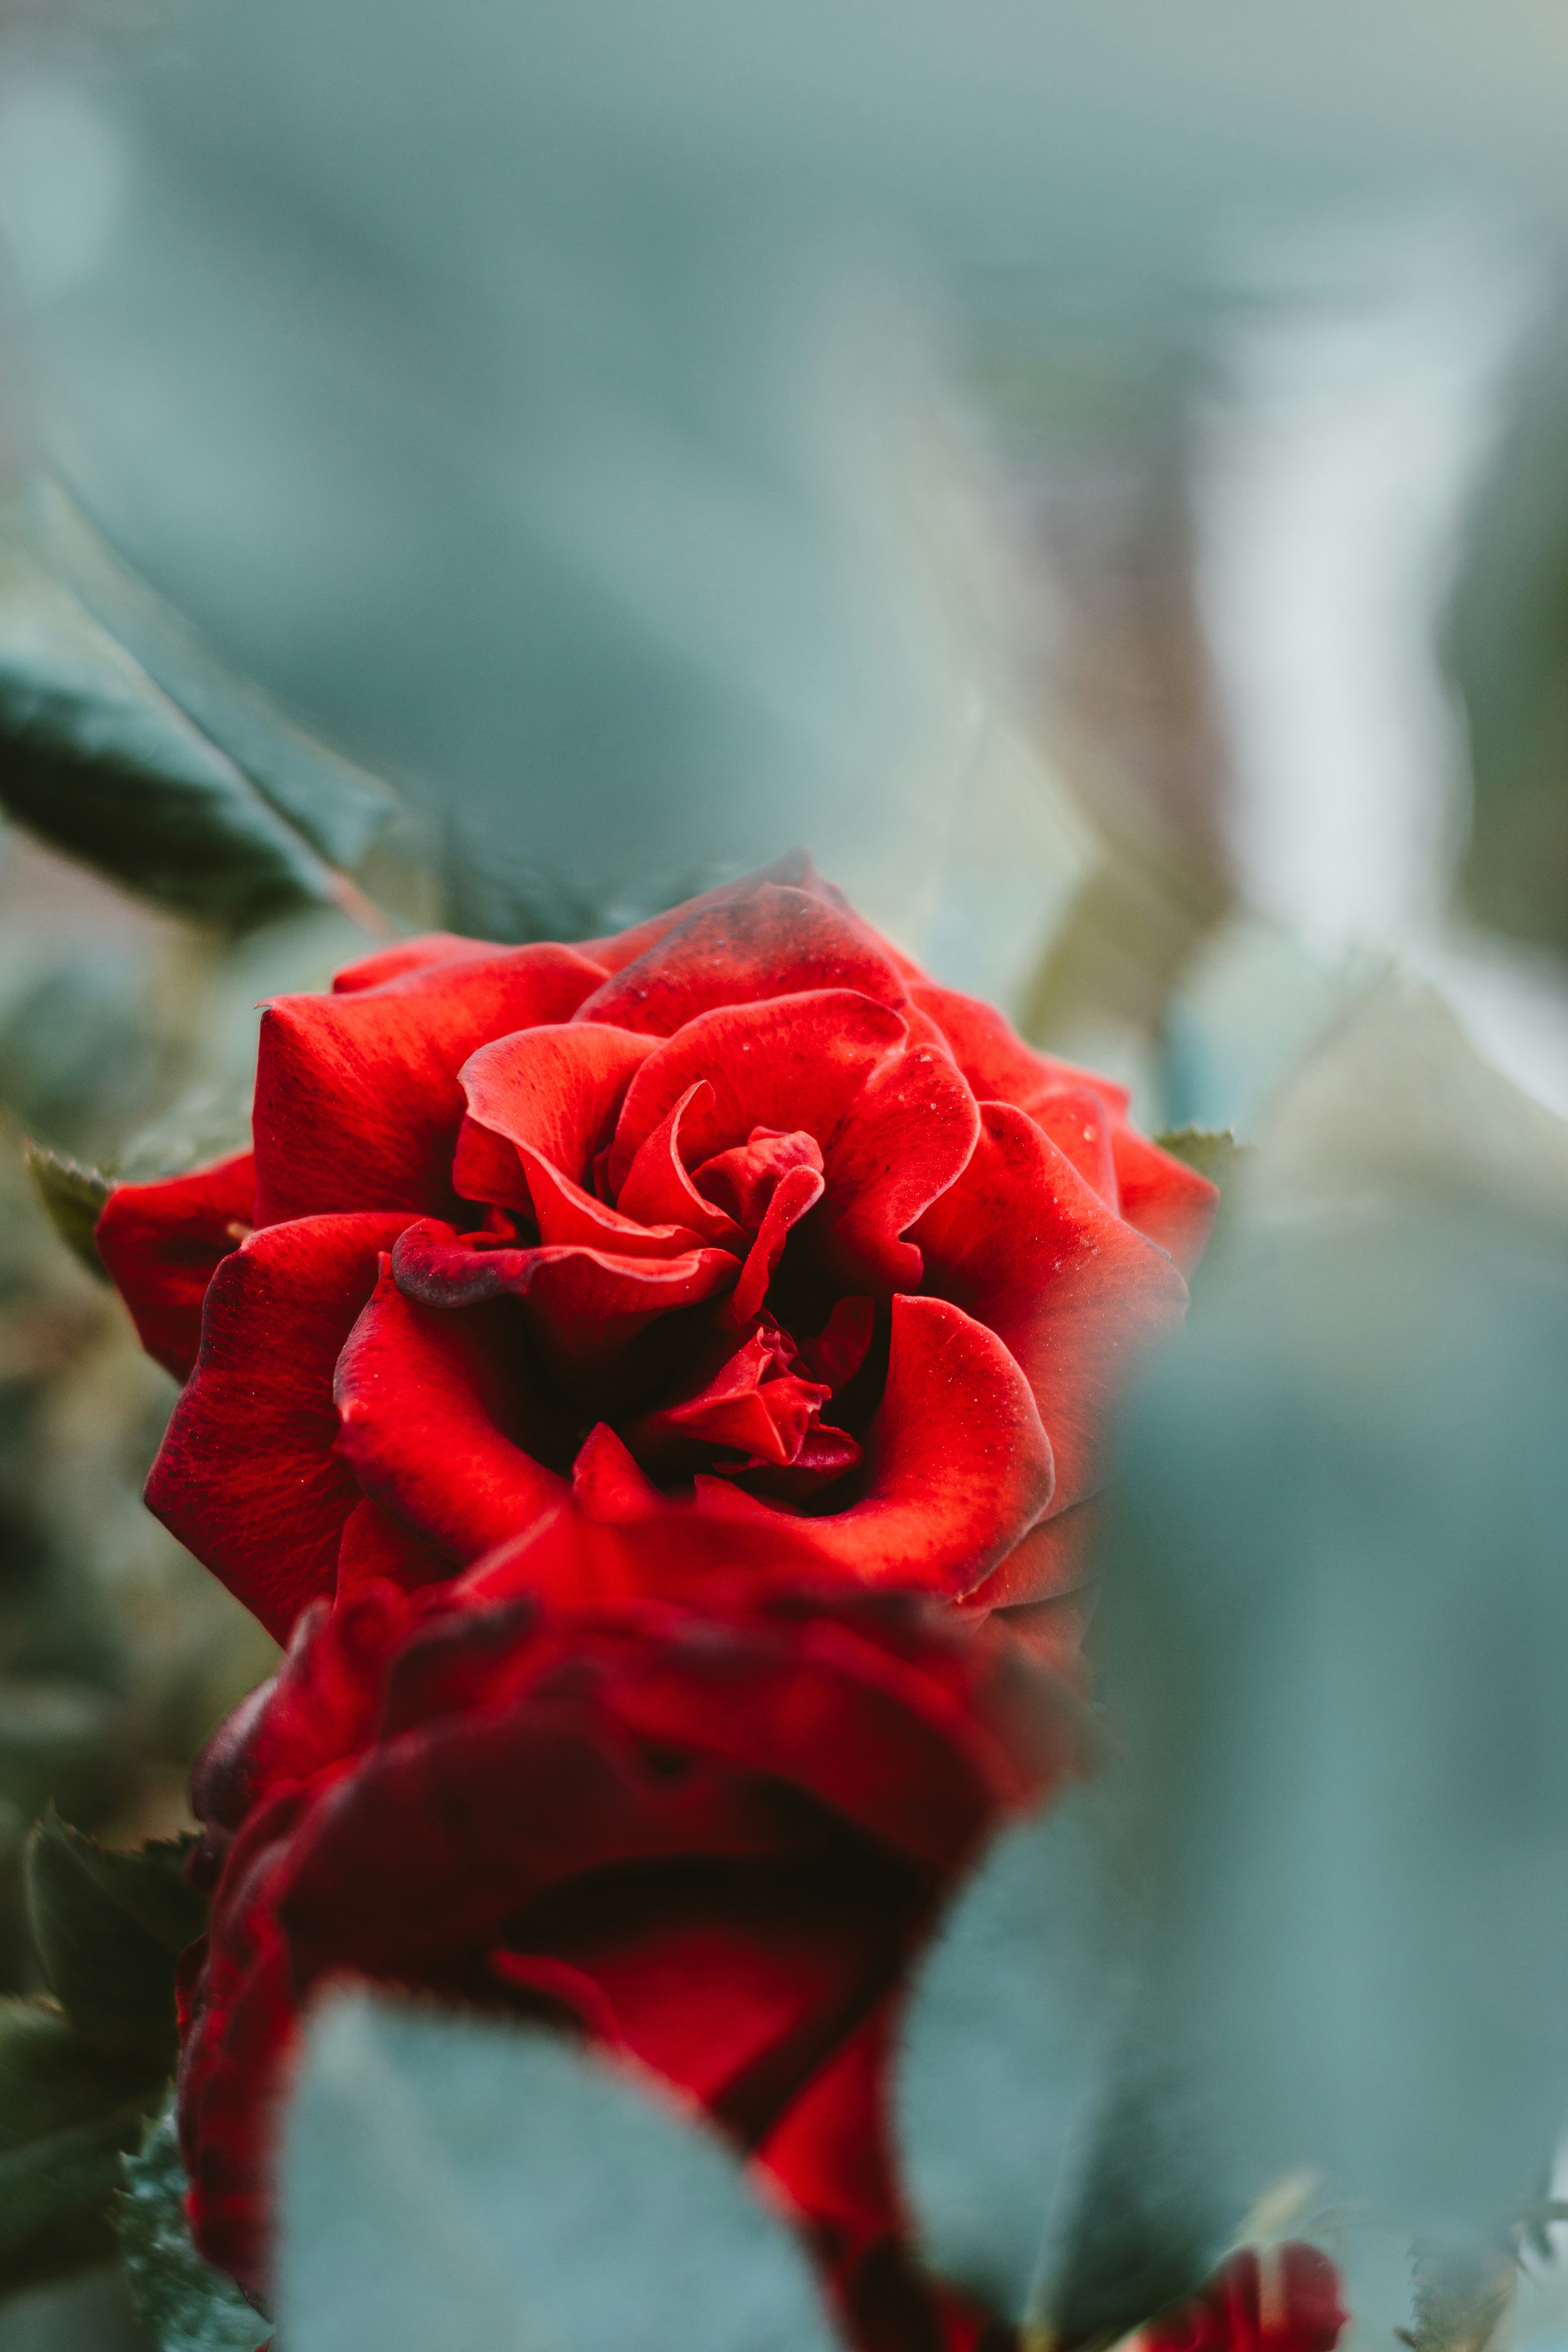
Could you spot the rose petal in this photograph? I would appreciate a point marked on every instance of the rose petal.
(436, 1413)
(658, 1189)
(555, 1087)
(995, 1059)
(585, 1305)
(1050, 1560)
(792, 1062)
(743, 1181)
(411, 955)
(838, 1350)
(163, 1244)
(246, 1477)
(607, 1483)
(958, 1463)
(901, 1142)
(376, 1548)
(741, 1406)
(1022, 1243)
(358, 1100)
(1077, 1120)
(565, 1214)
(1164, 1197)
(771, 941)
(797, 1190)
(794, 870)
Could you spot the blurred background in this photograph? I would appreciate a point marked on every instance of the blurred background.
(1098, 474)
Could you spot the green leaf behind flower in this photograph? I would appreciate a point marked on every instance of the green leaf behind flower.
(125, 743)
(66, 2110)
(109, 1928)
(453, 2182)
(183, 2304)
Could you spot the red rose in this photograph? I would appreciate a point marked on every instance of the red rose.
(707, 1837)
(735, 1206)
(1285, 2299)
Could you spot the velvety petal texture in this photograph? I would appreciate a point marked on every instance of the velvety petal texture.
(704, 1834)
(736, 1214)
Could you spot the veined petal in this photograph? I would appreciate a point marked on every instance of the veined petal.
(585, 1305)
(658, 1187)
(791, 1062)
(1024, 1245)
(770, 940)
(436, 1410)
(799, 1189)
(565, 1213)
(246, 1476)
(958, 1463)
(555, 1087)
(901, 1142)
(358, 1099)
(999, 1065)
(411, 955)
(794, 870)
(1079, 1124)
(163, 1244)
(1164, 1197)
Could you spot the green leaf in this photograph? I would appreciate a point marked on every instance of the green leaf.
(149, 773)
(1332, 1629)
(1213, 1151)
(183, 2303)
(338, 807)
(66, 2112)
(1002, 2052)
(453, 2182)
(109, 1928)
(74, 1197)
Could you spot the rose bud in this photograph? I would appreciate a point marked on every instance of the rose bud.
(708, 1839)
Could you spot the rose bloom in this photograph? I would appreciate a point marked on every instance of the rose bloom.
(701, 1821)
(736, 1207)
(708, 1839)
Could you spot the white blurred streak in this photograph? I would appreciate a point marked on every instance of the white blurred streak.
(1356, 409)
(62, 182)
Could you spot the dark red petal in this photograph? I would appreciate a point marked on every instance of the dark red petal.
(586, 1306)
(555, 1087)
(1050, 1560)
(799, 1189)
(958, 1463)
(772, 941)
(162, 1242)
(410, 955)
(378, 1548)
(564, 1213)
(246, 1476)
(658, 1189)
(838, 1350)
(358, 1100)
(875, 1739)
(794, 870)
(1023, 1244)
(436, 1411)
(1164, 1197)
(828, 2152)
(743, 1180)
(741, 1406)
(995, 1059)
(731, 1984)
(607, 1485)
(1079, 1126)
(903, 1141)
(792, 1062)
